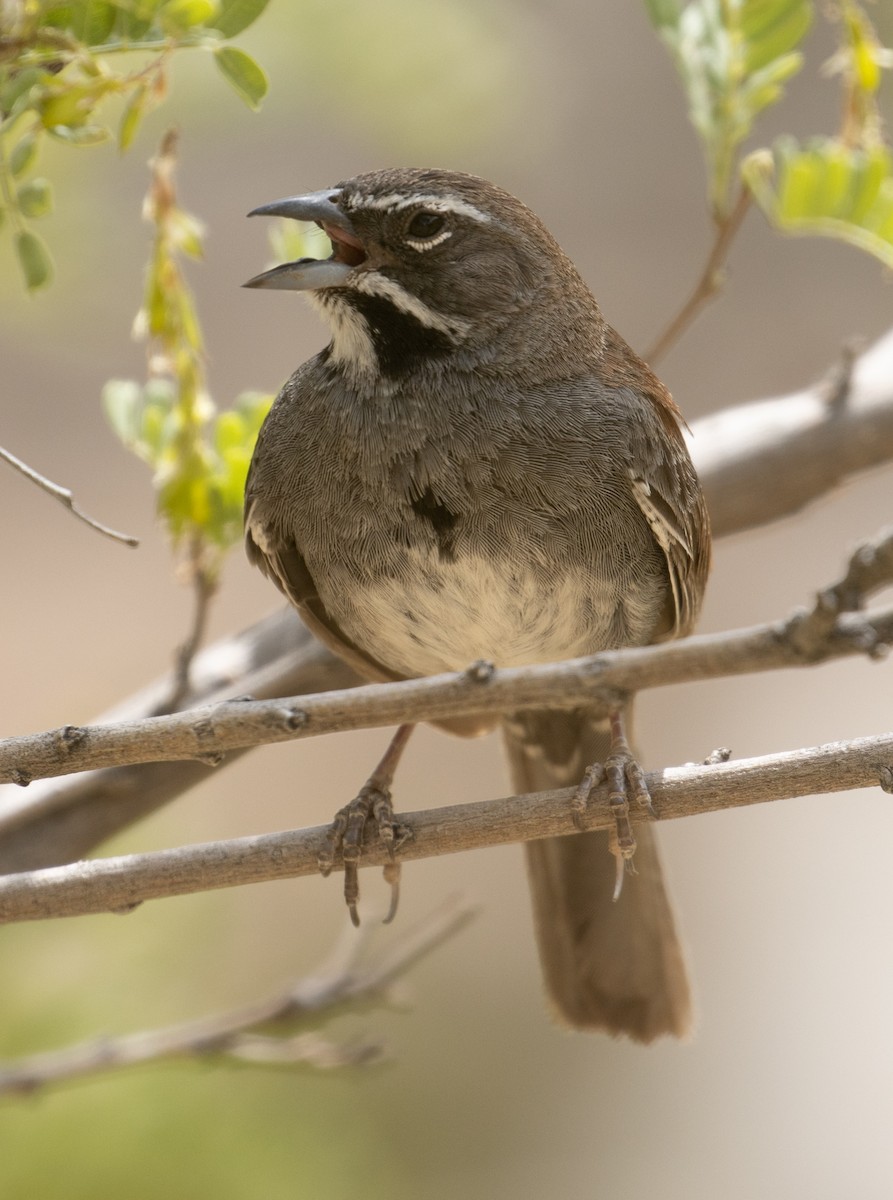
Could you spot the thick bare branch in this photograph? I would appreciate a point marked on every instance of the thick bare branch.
(762, 461)
(265, 1032)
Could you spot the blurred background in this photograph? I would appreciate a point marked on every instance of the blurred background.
(786, 1089)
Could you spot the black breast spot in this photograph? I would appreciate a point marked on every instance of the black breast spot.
(443, 522)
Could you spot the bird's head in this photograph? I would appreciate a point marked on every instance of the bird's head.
(426, 263)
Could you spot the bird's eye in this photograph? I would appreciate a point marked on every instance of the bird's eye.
(425, 225)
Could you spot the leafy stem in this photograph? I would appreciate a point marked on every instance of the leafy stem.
(711, 279)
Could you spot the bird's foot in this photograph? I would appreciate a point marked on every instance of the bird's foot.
(348, 830)
(626, 781)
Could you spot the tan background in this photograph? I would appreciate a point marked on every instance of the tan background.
(786, 1089)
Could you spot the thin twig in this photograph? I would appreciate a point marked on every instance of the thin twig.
(65, 497)
(710, 282)
(204, 588)
(121, 884)
(770, 458)
(266, 1032)
(598, 682)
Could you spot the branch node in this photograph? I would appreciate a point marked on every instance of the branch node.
(294, 718)
(720, 755)
(836, 387)
(869, 570)
(480, 671)
(20, 777)
(71, 736)
(203, 730)
(885, 778)
(807, 631)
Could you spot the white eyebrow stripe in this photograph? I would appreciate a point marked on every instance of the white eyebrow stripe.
(397, 201)
(375, 284)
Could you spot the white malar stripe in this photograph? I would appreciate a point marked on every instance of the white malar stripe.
(352, 346)
(397, 201)
(373, 283)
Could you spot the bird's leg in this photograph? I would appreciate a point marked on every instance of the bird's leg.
(347, 829)
(625, 778)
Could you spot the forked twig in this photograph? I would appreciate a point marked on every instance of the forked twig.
(248, 1034)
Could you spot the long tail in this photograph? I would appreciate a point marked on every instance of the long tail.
(615, 966)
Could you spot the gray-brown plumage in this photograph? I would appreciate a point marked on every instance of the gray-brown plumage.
(478, 467)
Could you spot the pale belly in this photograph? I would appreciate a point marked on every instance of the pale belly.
(442, 617)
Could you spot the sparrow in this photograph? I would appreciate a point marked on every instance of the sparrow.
(478, 467)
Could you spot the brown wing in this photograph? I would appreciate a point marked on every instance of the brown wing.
(684, 538)
(667, 491)
(282, 562)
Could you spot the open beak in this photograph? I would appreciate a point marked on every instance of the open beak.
(308, 274)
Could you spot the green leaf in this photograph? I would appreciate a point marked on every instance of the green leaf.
(772, 28)
(93, 21)
(874, 169)
(188, 14)
(733, 57)
(131, 117)
(16, 93)
(35, 198)
(90, 21)
(34, 259)
(836, 183)
(122, 401)
(245, 75)
(828, 189)
(23, 155)
(799, 185)
(187, 233)
(765, 86)
(80, 135)
(235, 15)
(135, 18)
(57, 16)
(777, 38)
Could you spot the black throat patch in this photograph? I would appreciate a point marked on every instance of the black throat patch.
(398, 338)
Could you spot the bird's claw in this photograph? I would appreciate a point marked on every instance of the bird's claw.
(625, 780)
(347, 833)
